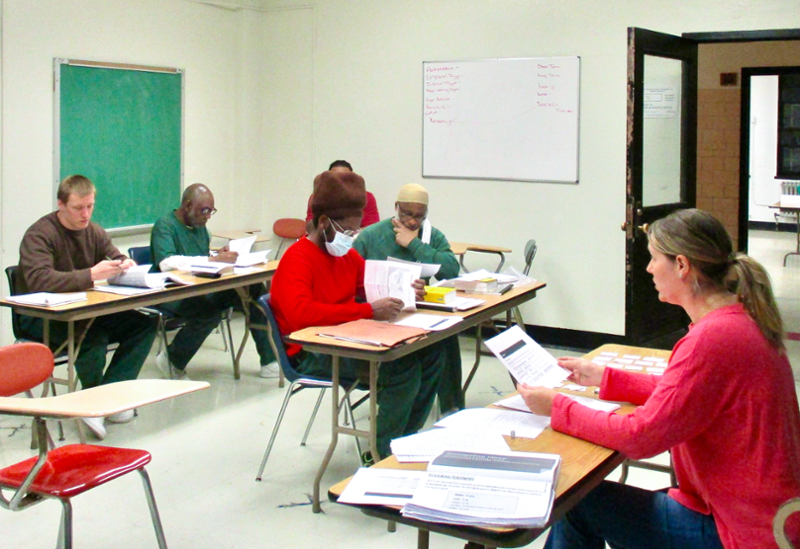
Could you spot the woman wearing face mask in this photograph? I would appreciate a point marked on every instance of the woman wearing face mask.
(320, 282)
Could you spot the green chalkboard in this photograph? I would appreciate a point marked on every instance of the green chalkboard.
(120, 126)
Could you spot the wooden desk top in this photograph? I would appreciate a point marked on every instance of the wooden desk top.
(580, 461)
(102, 303)
(494, 304)
(100, 401)
(460, 248)
(233, 235)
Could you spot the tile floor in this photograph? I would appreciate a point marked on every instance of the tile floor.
(207, 447)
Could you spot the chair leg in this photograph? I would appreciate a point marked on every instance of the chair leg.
(65, 527)
(151, 504)
(478, 343)
(275, 431)
(624, 476)
(313, 416)
(226, 322)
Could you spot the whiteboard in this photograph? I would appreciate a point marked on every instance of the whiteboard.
(511, 119)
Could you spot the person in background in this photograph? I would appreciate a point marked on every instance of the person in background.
(371, 214)
(320, 282)
(409, 236)
(65, 251)
(725, 406)
(178, 239)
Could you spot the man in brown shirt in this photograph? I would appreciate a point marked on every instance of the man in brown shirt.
(65, 252)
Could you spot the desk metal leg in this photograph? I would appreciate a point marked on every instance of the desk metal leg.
(315, 505)
(797, 248)
(423, 538)
(244, 296)
(373, 410)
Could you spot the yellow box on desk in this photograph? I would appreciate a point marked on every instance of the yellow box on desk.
(436, 294)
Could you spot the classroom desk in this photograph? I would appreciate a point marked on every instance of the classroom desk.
(461, 248)
(308, 338)
(795, 211)
(584, 465)
(233, 235)
(103, 303)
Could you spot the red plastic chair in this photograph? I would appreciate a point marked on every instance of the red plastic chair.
(64, 472)
(290, 228)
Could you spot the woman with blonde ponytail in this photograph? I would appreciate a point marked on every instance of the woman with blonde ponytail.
(725, 406)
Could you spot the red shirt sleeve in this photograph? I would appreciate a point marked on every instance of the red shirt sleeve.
(371, 214)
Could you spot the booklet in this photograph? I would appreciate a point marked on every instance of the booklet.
(140, 277)
(47, 299)
(527, 361)
(392, 279)
(498, 490)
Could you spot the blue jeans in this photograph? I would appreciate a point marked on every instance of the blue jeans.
(632, 518)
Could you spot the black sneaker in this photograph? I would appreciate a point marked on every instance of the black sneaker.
(366, 459)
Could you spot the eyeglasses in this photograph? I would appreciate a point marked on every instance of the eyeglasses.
(338, 228)
(405, 216)
(208, 211)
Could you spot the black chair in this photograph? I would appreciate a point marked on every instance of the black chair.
(169, 321)
(298, 382)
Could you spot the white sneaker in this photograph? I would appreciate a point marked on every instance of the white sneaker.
(270, 371)
(95, 425)
(168, 370)
(122, 417)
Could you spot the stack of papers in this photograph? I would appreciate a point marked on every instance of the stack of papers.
(426, 445)
(47, 299)
(457, 304)
(516, 402)
(138, 280)
(511, 490)
(431, 323)
(503, 422)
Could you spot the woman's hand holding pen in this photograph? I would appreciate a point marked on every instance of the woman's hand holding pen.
(583, 372)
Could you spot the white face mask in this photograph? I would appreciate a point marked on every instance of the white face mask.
(341, 244)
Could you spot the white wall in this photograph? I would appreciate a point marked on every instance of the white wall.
(274, 94)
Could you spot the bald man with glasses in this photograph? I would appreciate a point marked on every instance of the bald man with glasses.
(177, 240)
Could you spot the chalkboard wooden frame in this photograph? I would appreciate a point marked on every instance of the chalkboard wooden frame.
(122, 126)
(509, 119)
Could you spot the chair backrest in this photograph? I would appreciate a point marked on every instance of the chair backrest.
(779, 522)
(276, 339)
(141, 255)
(24, 366)
(288, 227)
(530, 253)
(11, 275)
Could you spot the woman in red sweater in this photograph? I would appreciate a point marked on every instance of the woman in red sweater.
(725, 406)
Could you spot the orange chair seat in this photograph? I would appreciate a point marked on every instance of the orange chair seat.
(289, 228)
(73, 469)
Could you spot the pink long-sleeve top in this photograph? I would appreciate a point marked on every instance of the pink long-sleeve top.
(726, 406)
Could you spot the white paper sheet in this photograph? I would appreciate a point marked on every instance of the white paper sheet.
(432, 323)
(242, 246)
(426, 445)
(378, 486)
(527, 361)
(391, 279)
(524, 425)
(428, 269)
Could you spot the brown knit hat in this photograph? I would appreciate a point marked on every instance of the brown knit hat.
(338, 195)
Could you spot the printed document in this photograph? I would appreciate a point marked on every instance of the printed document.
(512, 490)
(426, 445)
(432, 323)
(392, 279)
(428, 269)
(47, 299)
(137, 280)
(378, 486)
(503, 422)
(527, 361)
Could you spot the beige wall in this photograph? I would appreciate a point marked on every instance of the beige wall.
(719, 124)
(275, 93)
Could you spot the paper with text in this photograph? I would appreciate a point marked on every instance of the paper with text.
(527, 361)
(391, 279)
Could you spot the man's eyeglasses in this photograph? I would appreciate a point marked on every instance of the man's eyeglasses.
(208, 211)
(338, 228)
(405, 216)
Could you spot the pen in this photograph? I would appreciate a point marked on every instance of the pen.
(437, 323)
